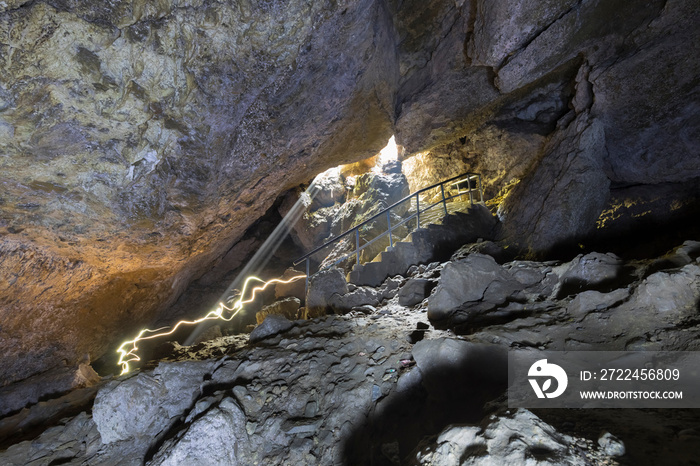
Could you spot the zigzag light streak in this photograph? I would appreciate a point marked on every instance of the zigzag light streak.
(125, 357)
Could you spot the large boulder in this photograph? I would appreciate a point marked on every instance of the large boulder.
(217, 437)
(287, 307)
(361, 296)
(323, 286)
(592, 271)
(671, 294)
(468, 280)
(327, 189)
(560, 199)
(142, 407)
(272, 325)
(414, 291)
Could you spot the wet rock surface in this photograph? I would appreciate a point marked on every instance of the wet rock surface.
(363, 388)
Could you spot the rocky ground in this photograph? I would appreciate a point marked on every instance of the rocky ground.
(417, 378)
(140, 141)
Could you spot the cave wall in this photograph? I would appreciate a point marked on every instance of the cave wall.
(139, 140)
(593, 98)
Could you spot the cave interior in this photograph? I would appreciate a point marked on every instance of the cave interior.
(157, 155)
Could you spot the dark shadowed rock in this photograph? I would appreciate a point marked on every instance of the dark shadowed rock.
(414, 291)
(489, 248)
(592, 271)
(271, 326)
(442, 359)
(360, 296)
(563, 195)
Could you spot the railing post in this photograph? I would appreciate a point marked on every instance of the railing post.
(469, 185)
(388, 222)
(417, 212)
(306, 289)
(470, 177)
(481, 190)
(444, 202)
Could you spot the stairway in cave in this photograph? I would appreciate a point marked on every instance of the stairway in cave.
(434, 240)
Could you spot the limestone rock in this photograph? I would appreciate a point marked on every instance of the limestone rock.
(140, 141)
(76, 437)
(435, 74)
(591, 301)
(468, 280)
(372, 192)
(350, 389)
(328, 188)
(287, 307)
(217, 437)
(661, 145)
(539, 279)
(611, 445)
(675, 292)
(414, 291)
(561, 199)
(322, 287)
(361, 296)
(391, 286)
(271, 326)
(143, 406)
(568, 34)
(488, 248)
(496, 445)
(594, 270)
(501, 28)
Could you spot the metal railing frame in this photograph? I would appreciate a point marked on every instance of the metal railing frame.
(457, 180)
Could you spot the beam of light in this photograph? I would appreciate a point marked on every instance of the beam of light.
(262, 256)
(128, 350)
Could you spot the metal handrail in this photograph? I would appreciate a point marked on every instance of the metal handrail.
(387, 211)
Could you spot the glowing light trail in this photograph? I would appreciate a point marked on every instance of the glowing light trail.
(125, 357)
(256, 263)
